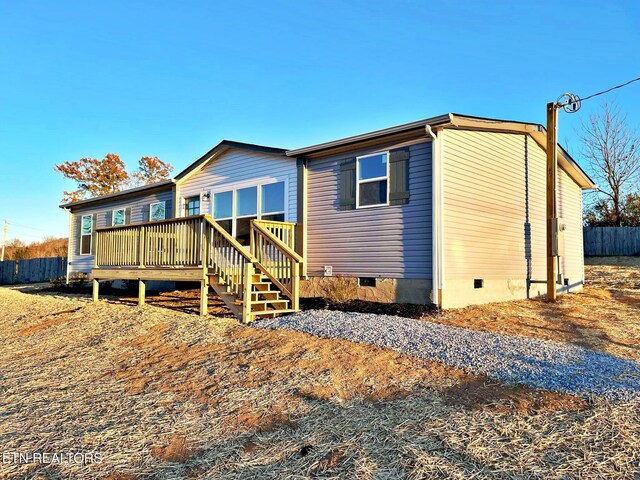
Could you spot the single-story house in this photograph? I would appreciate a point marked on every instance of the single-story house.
(448, 210)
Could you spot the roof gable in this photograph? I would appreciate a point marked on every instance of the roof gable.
(221, 147)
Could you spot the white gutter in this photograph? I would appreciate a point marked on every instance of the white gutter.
(436, 217)
(69, 243)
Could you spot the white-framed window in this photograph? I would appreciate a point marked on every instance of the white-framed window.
(372, 180)
(246, 209)
(272, 201)
(118, 217)
(86, 233)
(157, 211)
(236, 206)
(223, 209)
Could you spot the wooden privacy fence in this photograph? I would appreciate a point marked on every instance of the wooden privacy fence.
(609, 241)
(32, 270)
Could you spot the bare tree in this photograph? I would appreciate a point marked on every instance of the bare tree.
(612, 150)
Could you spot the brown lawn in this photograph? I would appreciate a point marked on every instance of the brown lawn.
(162, 393)
(605, 317)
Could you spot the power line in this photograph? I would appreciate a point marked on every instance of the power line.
(571, 103)
(30, 228)
(610, 89)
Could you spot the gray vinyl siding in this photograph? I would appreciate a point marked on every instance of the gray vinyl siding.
(139, 213)
(385, 241)
(236, 166)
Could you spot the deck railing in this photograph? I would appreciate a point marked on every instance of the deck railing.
(228, 259)
(165, 243)
(277, 260)
(283, 231)
(201, 242)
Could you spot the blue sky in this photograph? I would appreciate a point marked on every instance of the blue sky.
(172, 79)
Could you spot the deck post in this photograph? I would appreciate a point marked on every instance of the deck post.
(204, 297)
(246, 293)
(295, 286)
(142, 288)
(96, 289)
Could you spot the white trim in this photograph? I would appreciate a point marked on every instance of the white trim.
(435, 216)
(151, 219)
(90, 215)
(124, 216)
(371, 180)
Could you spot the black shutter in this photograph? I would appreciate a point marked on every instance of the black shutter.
(109, 219)
(94, 225)
(399, 176)
(348, 184)
(127, 215)
(146, 212)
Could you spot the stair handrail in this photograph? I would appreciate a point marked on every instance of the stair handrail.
(285, 276)
(286, 249)
(237, 245)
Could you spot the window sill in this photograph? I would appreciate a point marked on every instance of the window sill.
(361, 207)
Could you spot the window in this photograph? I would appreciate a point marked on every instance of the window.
(246, 210)
(157, 211)
(372, 174)
(234, 209)
(223, 210)
(192, 206)
(272, 202)
(118, 217)
(86, 231)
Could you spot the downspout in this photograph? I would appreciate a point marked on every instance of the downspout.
(436, 218)
(68, 210)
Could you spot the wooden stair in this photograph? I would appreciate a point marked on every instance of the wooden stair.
(267, 300)
(262, 281)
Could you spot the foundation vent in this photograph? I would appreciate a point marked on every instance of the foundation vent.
(366, 281)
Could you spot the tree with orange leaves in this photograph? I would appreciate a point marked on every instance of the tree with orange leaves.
(151, 170)
(99, 177)
(94, 177)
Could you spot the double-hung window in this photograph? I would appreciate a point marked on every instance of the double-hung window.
(157, 211)
(246, 210)
(272, 202)
(372, 175)
(86, 232)
(223, 210)
(234, 209)
(192, 206)
(118, 217)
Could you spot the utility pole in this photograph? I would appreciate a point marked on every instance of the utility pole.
(4, 239)
(552, 213)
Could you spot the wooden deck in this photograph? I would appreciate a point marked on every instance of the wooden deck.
(261, 281)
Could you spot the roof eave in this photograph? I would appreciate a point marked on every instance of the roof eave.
(433, 121)
(537, 132)
(123, 193)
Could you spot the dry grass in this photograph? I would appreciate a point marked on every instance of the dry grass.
(605, 316)
(166, 394)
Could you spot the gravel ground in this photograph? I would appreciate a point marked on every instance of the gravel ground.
(513, 359)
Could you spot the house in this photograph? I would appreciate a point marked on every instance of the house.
(449, 210)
